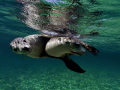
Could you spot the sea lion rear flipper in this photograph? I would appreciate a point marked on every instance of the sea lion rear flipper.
(72, 65)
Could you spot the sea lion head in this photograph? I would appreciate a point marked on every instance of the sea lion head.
(20, 46)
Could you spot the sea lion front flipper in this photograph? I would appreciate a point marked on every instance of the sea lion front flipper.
(90, 48)
(71, 64)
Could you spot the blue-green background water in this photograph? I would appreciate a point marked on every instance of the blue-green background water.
(23, 73)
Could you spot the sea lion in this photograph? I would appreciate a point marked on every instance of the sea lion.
(43, 46)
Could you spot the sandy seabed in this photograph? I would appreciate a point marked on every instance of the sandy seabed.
(57, 79)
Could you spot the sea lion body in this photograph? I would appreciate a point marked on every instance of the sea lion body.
(41, 46)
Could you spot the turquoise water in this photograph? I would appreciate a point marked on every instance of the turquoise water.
(18, 72)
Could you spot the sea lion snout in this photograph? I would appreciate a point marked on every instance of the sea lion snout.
(20, 46)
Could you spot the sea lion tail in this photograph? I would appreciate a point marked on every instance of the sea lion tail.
(71, 64)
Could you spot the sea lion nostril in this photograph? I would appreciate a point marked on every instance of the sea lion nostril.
(26, 49)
